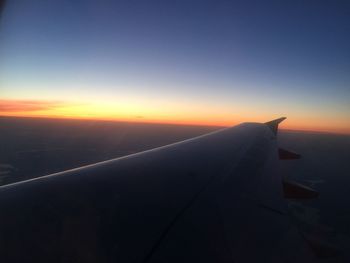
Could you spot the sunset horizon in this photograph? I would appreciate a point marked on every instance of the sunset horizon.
(201, 63)
(88, 111)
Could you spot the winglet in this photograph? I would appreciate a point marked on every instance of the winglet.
(274, 124)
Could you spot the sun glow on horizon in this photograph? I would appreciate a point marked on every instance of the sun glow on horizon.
(177, 62)
(138, 111)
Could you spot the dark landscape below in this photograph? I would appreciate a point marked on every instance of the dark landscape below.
(33, 147)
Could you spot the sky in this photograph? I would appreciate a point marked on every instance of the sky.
(192, 62)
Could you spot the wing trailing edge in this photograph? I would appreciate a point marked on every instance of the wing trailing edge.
(294, 190)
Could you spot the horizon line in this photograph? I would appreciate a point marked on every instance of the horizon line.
(164, 123)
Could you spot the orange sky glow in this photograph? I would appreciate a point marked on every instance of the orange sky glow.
(142, 113)
(154, 63)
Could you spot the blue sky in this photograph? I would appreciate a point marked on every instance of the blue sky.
(289, 57)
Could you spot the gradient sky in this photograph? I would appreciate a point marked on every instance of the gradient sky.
(200, 62)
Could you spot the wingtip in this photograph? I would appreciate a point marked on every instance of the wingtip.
(277, 121)
(273, 125)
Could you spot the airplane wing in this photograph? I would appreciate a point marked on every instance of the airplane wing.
(214, 198)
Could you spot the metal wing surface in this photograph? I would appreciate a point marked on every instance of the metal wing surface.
(214, 198)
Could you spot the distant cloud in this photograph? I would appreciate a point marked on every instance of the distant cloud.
(27, 105)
